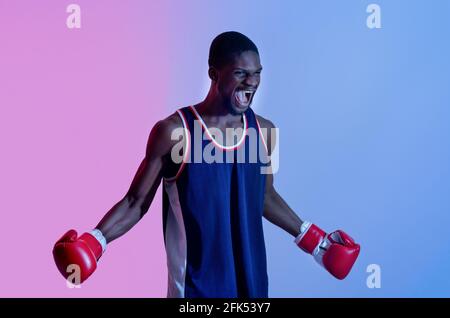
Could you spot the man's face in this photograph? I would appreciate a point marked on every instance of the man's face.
(238, 81)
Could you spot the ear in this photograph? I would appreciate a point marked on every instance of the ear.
(212, 72)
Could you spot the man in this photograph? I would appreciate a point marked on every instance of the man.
(213, 209)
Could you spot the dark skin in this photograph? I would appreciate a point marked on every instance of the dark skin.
(220, 110)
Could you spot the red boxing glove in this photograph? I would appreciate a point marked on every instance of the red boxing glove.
(336, 252)
(83, 251)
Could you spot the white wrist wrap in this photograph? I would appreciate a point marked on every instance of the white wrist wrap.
(100, 238)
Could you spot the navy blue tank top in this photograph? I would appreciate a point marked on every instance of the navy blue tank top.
(212, 215)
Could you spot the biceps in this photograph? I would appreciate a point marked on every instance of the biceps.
(146, 179)
(270, 190)
(269, 182)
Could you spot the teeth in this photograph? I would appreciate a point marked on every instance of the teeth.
(244, 96)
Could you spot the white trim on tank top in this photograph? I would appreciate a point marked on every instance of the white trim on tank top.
(232, 147)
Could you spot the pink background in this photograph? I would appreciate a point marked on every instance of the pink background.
(77, 107)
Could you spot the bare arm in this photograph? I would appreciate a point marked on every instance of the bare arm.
(276, 210)
(128, 211)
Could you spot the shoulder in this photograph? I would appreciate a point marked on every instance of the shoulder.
(161, 137)
(264, 122)
(168, 124)
(268, 130)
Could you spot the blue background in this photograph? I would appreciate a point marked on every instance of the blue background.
(364, 130)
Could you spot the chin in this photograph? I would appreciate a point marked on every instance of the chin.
(237, 110)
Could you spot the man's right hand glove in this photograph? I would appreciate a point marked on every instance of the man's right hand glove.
(336, 252)
(83, 251)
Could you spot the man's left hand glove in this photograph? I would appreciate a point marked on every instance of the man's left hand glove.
(336, 252)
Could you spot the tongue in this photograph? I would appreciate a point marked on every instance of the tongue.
(242, 98)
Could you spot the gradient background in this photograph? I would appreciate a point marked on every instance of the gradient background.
(364, 134)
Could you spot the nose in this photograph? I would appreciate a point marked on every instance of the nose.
(252, 80)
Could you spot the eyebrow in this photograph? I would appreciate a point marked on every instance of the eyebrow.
(242, 69)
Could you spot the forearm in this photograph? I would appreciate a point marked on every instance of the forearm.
(120, 219)
(278, 212)
(128, 211)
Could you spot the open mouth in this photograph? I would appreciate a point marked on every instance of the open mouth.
(243, 98)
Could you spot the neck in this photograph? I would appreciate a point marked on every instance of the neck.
(214, 106)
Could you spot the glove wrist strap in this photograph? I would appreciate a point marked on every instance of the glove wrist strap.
(310, 237)
(303, 229)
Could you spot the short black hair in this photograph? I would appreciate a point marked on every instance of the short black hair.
(226, 46)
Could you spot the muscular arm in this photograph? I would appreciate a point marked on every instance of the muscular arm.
(276, 210)
(128, 211)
